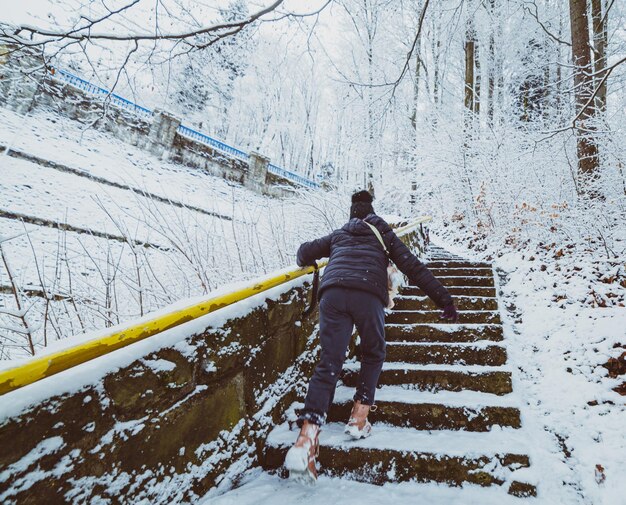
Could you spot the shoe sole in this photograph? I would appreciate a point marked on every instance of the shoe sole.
(297, 463)
(359, 434)
(305, 477)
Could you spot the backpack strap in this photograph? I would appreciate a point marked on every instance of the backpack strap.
(378, 236)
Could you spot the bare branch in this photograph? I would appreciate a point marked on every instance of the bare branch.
(80, 34)
(543, 27)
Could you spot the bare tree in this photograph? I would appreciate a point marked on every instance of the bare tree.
(472, 67)
(27, 329)
(599, 16)
(588, 161)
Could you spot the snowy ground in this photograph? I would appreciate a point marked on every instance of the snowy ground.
(576, 419)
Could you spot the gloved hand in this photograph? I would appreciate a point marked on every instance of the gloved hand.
(450, 314)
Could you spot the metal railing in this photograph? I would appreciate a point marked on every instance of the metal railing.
(46, 365)
(115, 99)
(286, 174)
(217, 144)
(203, 138)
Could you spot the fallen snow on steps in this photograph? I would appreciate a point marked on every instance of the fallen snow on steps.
(395, 365)
(479, 344)
(470, 399)
(260, 488)
(447, 327)
(444, 442)
(418, 298)
(557, 346)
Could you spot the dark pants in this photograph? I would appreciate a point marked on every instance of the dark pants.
(340, 310)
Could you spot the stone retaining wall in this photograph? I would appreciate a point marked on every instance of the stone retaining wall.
(177, 418)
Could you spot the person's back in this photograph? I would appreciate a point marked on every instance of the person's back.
(353, 292)
(357, 259)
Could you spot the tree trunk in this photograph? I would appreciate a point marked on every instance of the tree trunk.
(477, 78)
(559, 69)
(472, 67)
(436, 48)
(416, 83)
(469, 68)
(587, 148)
(600, 40)
(491, 84)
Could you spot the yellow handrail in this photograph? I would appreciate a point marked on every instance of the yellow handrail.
(40, 367)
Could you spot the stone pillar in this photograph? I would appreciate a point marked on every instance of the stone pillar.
(255, 179)
(162, 131)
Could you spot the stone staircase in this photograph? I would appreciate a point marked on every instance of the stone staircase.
(445, 409)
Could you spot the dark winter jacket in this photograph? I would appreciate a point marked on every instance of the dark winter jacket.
(358, 261)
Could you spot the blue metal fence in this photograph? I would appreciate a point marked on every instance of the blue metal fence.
(286, 174)
(205, 139)
(122, 102)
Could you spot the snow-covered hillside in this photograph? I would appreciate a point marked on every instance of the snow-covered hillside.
(141, 232)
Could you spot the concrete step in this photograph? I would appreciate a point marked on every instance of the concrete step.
(466, 281)
(437, 256)
(446, 354)
(459, 272)
(443, 332)
(426, 411)
(434, 316)
(437, 377)
(456, 264)
(395, 454)
(483, 291)
(462, 303)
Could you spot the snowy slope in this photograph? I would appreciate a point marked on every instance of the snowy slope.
(162, 231)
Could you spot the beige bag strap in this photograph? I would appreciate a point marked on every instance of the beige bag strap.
(378, 236)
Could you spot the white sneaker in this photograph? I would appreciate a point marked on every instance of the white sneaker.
(358, 426)
(300, 460)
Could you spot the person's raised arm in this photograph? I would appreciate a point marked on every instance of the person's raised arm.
(314, 250)
(420, 276)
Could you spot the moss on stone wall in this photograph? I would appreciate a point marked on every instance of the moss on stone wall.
(148, 423)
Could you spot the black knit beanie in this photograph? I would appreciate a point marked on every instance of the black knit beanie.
(361, 204)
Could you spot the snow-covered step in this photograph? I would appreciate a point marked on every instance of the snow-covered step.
(420, 352)
(438, 377)
(432, 263)
(403, 302)
(445, 332)
(466, 280)
(426, 411)
(473, 399)
(394, 454)
(484, 291)
(445, 257)
(458, 272)
(434, 316)
(263, 488)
